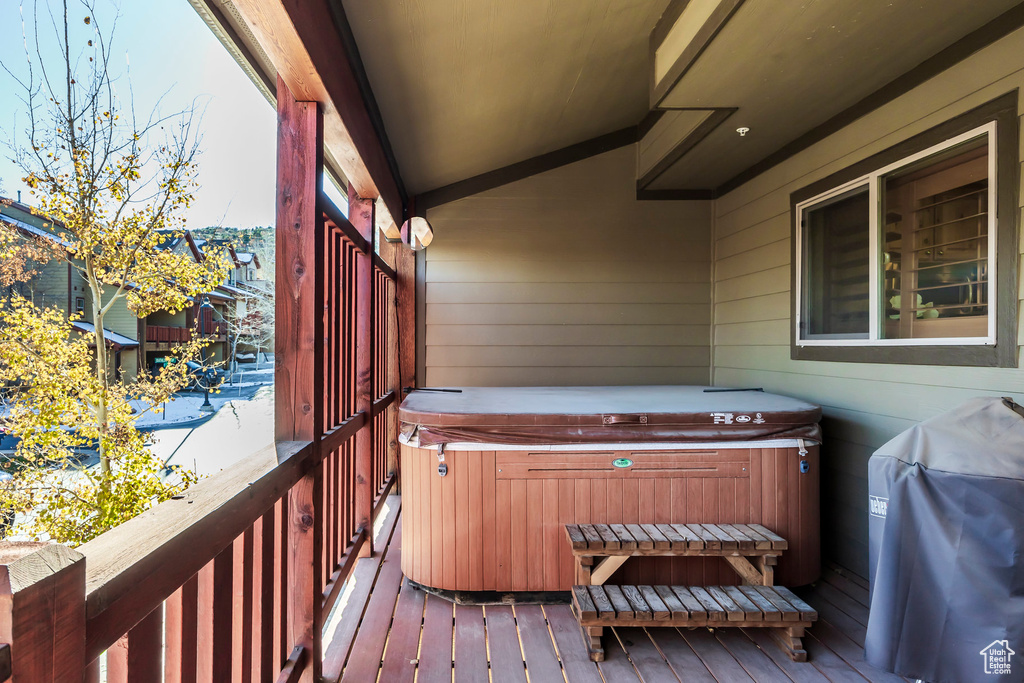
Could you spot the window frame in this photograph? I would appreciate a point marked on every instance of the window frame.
(997, 118)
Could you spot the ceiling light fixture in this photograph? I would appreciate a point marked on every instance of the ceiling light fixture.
(742, 130)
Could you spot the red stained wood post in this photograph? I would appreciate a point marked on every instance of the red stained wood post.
(42, 611)
(362, 216)
(299, 367)
(405, 293)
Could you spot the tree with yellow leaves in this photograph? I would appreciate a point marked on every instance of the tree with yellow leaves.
(115, 188)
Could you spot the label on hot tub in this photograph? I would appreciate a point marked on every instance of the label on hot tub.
(622, 462)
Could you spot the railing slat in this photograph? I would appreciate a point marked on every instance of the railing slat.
(137, 656)
(243, 576)
(181, 633)
(215, 619)
(264, 578)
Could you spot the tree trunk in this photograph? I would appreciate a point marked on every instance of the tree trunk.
(102, 419)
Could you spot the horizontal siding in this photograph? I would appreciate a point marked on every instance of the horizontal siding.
(565, 314)
(548, 376)
(568, 356)
(567, 335)
(864, 404)
(564, 278)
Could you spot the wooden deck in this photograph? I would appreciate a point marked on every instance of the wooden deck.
(390, 631)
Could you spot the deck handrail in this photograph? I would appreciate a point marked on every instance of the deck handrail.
(237, 575)
(133, 568)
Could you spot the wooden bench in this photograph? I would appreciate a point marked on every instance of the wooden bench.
(751, 549)
(772, 607)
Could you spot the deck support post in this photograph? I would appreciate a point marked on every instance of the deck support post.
(362, 215)
(42, 611)
(299, 358)
(405, 295)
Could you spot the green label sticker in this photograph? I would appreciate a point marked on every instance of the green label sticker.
(622, 462)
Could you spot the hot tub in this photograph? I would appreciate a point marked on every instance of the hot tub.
(489, 477)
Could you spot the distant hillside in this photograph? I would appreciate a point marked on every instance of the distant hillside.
(258, 239)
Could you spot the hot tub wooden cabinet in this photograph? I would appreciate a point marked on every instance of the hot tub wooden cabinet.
(520, 463)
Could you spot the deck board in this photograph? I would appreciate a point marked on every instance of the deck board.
(680, 656)
(435, 663)
(507, 664)
(541, 659)
(470, 645)
(405, 634)
(569, 643)
(399, 665)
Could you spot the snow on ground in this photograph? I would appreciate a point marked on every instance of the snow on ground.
(185, 407)
(239, 429)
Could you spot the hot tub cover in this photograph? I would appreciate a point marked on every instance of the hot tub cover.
(946, 530)
(564, 415)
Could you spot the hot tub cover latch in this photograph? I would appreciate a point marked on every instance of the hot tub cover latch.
(442, 467)
(624, 419)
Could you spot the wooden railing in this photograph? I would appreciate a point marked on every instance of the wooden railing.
(167, 334)
(233, 580)
(177, 335)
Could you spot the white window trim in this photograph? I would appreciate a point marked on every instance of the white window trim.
(873, 182)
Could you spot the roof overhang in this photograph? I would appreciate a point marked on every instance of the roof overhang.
(302, 44)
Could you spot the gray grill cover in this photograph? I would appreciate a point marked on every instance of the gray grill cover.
(946, 531)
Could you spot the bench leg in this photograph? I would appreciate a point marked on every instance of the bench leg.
(584, 565)
(790, 639)
(766, 565)
(592, 637)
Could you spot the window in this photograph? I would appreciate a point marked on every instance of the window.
(79, 304)
(898, 259)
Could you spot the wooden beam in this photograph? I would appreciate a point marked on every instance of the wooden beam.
(715, 119)
(361, 215)
(42, 611)
(525, 169)
(301, 39)
(298, 375)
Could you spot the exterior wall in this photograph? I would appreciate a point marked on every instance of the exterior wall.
(564, 278)
(865, 404)
(50, 287)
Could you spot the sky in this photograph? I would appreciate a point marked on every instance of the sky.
(167, 51)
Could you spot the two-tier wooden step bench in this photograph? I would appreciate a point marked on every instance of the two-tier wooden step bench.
(773, 607)
(751, 549)
(600, 549)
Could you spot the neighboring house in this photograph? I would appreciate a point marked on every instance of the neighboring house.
(61, 285)
(163, 329)
(133, 343)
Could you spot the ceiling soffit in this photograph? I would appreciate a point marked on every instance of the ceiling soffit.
(789, 67)
(467, 87)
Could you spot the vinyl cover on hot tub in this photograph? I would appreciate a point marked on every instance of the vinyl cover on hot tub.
(566, 415)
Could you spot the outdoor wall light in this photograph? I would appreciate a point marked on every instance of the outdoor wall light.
(417, 233)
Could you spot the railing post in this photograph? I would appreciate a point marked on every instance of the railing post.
(405, 295)
(42, 611)
(299, 359)
(361, 214)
